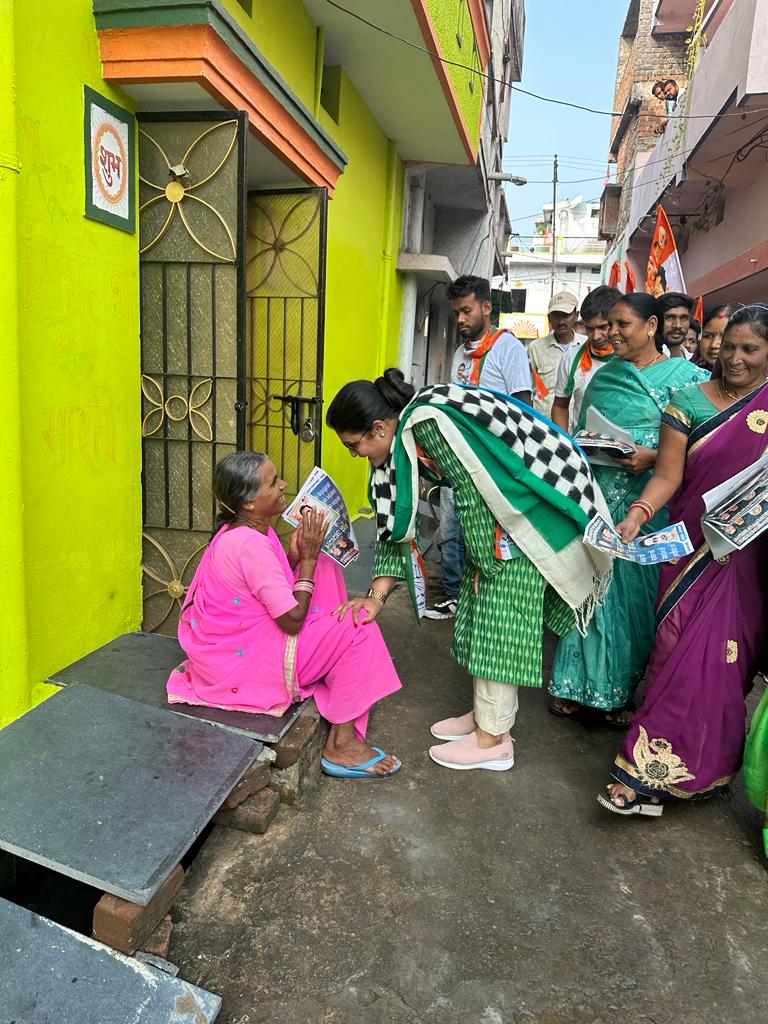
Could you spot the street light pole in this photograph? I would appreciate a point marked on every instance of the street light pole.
(554, 226)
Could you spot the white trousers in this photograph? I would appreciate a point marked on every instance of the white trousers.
(495, 705)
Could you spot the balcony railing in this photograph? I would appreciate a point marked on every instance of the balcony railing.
(537, 245)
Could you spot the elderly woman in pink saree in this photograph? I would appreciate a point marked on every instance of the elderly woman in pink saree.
(687, 738)
(261, 629)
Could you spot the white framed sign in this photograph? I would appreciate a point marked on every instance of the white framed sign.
(110, 162)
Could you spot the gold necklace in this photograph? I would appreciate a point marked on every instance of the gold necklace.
(720, 393)
(645, 366)
(736, 398)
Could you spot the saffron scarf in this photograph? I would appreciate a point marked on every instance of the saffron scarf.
(478, 354)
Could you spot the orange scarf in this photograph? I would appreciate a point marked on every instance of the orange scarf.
(482, 350)
(541, 388)
(585, 363)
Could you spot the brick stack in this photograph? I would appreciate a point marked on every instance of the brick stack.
(287, 771)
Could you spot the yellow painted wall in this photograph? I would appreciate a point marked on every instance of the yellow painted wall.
(363, 288)
(446, 16)
(361, 337)
(79, 361)
(78, 330)
(285, 34)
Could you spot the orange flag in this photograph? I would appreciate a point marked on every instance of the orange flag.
(615, 275)
(664, 272)
(631, 283)
(699, 311)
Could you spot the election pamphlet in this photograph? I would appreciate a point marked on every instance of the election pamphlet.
(321, 493)
(603, 441)
(737, 510)
(648, 549)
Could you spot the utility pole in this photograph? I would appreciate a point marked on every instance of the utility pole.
(554, 226)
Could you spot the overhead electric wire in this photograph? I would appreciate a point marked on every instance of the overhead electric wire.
(663, 160)
(519, 88)
(632, 187)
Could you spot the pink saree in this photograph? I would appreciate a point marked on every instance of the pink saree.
(239, 659)
(687, 739)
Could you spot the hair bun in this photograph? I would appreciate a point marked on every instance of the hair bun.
(394, 388)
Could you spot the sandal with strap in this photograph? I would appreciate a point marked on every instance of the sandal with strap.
(640, 805)
(559, 711)
(618, 723)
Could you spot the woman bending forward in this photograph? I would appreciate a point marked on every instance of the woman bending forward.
(509, 468)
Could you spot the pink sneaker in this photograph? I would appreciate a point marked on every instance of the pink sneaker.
(454, 728)
(464, 754)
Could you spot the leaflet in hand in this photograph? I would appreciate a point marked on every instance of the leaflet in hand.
(320, 492)
(602, 441)
(737, 510)
(663, 546)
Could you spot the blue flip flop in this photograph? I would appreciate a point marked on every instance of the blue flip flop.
(341, 771)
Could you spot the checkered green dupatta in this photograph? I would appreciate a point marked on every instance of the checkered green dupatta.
(536, 482)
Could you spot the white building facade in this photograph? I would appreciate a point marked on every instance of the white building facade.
(531, 275)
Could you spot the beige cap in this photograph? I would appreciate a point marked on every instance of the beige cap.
(562, 302)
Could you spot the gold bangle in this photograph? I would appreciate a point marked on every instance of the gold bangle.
(377, 595)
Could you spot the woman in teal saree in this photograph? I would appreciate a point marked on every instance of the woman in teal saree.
(602, 669)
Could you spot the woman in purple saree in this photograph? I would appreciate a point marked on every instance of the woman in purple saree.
(687, 739)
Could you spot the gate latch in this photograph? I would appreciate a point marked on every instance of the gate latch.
(306, 429)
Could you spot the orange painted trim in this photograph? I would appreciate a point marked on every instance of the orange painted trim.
(751, 261)
(433, 44)
(195, 53)
(482, 34)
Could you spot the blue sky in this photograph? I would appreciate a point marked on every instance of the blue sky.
(570, 53)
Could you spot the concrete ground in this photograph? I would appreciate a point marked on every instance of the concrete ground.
(442, 897)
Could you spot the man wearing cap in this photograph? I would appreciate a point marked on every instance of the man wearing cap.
(545, 354)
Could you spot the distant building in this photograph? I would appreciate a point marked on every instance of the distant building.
(705, 163)
(526, 285)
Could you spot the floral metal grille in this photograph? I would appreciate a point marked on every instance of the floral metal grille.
(191, 210)
(285, 286)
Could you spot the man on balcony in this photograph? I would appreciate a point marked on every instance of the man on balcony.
(545, 354)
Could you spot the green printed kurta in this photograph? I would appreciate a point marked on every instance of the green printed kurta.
(498, 632)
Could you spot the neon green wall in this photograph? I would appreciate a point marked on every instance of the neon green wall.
(364, 291)
(79, 362)
(445, 15)
(285, 34)
(78, 332)
(361, 326)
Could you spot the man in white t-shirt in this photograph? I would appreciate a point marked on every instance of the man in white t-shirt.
(487, 358)
(546, 354)
(583, 361)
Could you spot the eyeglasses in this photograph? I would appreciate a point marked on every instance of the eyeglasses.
(352, 446)
(673, 318)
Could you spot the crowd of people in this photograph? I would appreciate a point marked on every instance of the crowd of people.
(263, 628)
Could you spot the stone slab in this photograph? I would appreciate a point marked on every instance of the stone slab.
(137, 665)
(110, 791)
(50, 974)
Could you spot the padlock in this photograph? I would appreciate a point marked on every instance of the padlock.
(308, 430)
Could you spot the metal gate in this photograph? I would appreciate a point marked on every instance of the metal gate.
(191, 216)
(285, 311)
